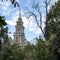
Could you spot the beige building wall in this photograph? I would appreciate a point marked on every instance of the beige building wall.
(19, 36)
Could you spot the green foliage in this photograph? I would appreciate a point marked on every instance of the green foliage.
(39, 51)
(12, 52)
(53, 25)
(2, 25)
(2, 21)
(29, 51)
(53, 33)
(42, 50)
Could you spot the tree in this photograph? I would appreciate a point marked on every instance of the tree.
(42, 51)
(29, 51)
(4, 31)
(37, 14)
(2, 24)
(53, 20)
(53, 32)
(12, 52)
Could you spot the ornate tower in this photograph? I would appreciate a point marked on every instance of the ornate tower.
(19, 36)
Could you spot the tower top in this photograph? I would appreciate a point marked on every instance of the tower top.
(19, 12)
(19, 18)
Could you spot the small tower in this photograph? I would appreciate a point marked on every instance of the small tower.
(19, 36)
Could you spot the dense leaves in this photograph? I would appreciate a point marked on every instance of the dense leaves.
(53, 33)
(12, 52)
(53, 25)
(2, 32)
(29, 52)
(2, 21)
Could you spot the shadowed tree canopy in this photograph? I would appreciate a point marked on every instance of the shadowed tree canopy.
(53, 24)
(2, 24)
(53, 30)
(2, 21)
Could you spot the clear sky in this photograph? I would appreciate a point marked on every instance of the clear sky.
(11, 14)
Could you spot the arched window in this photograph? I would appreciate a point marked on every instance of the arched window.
(16, 39)
(18, 29)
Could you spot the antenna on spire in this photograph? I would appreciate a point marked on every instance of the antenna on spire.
(19, 12)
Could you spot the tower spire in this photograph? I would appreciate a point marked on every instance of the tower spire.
(19, 12)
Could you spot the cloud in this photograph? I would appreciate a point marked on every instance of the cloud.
(11, 23)
(12, 15)
(5, 6)
(29, 24)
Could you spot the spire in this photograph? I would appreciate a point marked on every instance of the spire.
(20, 19)
(19, 12)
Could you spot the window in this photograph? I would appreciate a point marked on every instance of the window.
(18, 29)
(16, 39)
(18, 23)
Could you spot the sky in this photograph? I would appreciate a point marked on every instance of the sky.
(12, 14)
